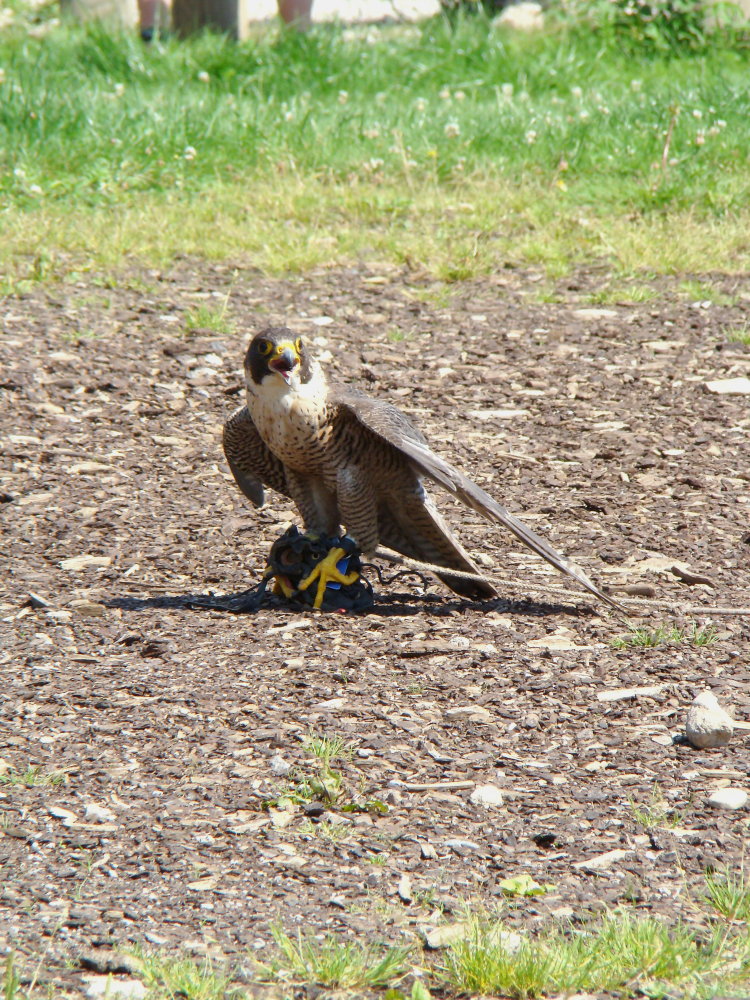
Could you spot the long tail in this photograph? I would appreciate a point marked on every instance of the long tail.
(475, 497)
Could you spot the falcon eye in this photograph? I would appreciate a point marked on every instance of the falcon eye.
(265, 347)
(298, 345)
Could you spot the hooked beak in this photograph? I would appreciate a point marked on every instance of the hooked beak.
(285, 360)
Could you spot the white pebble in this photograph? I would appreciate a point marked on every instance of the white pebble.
(728, 798)
(487, 796)
(99, 814)
(279, 766)
(707, 724)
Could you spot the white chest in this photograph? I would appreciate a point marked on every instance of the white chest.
(289, 418)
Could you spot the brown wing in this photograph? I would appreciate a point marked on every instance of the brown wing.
(394, 427)
(415, 529)
(252, 463)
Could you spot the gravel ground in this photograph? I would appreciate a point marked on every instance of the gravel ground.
(155, 724)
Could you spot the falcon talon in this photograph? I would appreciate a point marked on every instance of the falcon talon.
(343, 457)
(298, 560)
(328, 574)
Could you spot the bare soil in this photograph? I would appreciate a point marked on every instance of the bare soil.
(596, 426)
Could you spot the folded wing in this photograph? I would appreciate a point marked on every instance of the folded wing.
(395, 427)
(251, 461)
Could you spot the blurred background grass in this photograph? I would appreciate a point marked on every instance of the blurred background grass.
(452, 143)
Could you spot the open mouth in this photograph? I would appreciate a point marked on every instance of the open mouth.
(284, 365)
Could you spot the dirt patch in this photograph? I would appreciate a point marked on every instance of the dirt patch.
(596, 426)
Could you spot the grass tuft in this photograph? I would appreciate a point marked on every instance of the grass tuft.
(328, 748)
(11, 984)
(335, 963)
(169, 978)
(635, 955)
(33, 777)
(666, 635)
(738, 334)
(729, 894)
(657, 812)
(207, 318)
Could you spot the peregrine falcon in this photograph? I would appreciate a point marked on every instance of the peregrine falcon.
(345, 458)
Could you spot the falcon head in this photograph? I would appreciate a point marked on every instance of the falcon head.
(277, 353)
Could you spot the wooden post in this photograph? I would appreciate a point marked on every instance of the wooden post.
(230, 16)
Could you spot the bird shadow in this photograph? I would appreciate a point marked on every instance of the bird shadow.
(386, 605)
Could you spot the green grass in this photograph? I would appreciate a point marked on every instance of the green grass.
(33, 776)
(729, 894)
(328, 748)
(167, 978)
(335, 963)
(208, 318)
(657, 812)
(324, 830)
(628, 292)
(738, 334)
(11, 984)
(666, 635)
(623, 953)
(626, 954)
(449, 146)
(704, 291)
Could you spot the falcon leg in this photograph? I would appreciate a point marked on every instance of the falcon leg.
(327, 571)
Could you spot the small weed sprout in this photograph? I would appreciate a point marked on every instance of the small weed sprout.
(205, 317)
(738, 334)
(329, 748)
(33, 776)
(656, 812)
(324, 830)
(666, 635)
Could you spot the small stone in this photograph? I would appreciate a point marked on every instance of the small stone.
(596, 313)
(707, 724)
(448, 934)
(404, 889)
(728, 798)
(104, 961)
(737, 386)
(158, 939)
(78, 563)
(488, 796)
(627, 694)
(98, 814)
(37, 601)
(472, 713)
(331, 705)
(115, 989)
(279, 766)
(428, 852)
(442, 937)
(88, 609)
(459, 846)
(601, 862)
